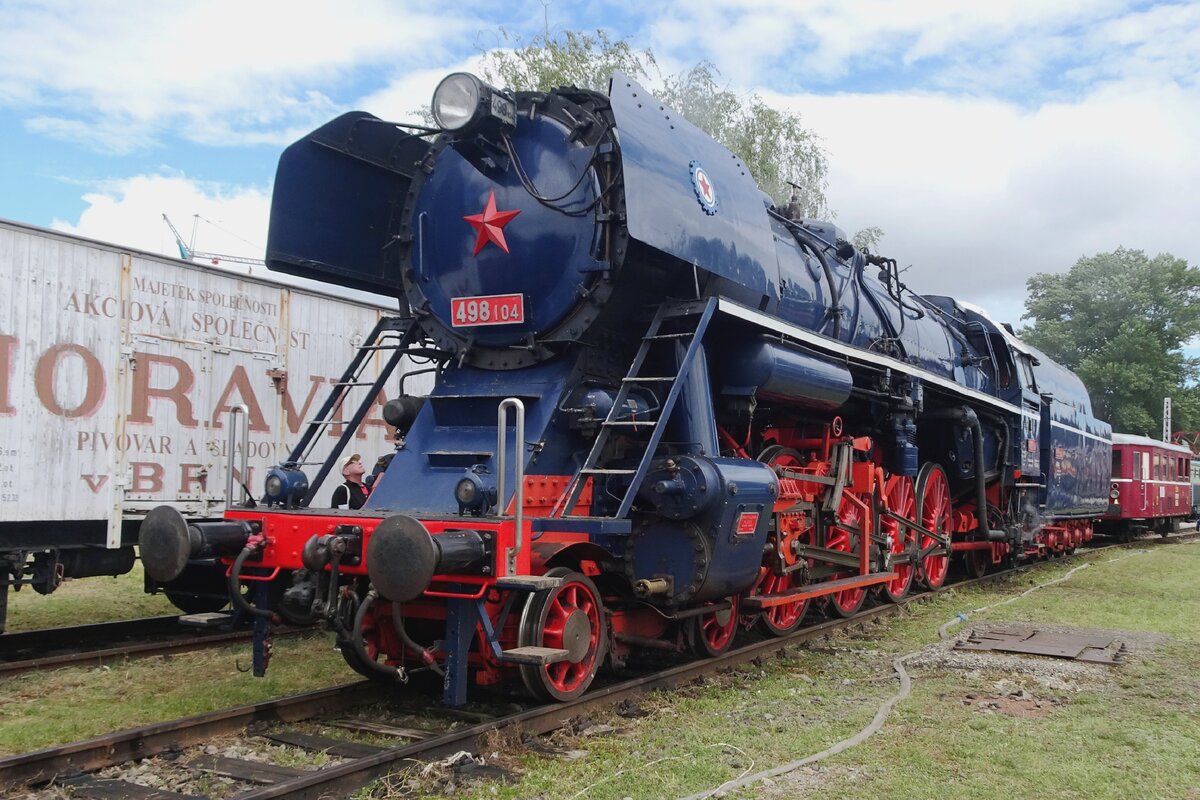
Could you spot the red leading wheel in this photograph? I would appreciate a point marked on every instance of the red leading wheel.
(935, 513)
(712, 634)
(380, 648)
(846, 603)
(569, 617)
(900, 498)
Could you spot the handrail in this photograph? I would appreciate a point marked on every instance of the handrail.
(502, 471)
(233, 415)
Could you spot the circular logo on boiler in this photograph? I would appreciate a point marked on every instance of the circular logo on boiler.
(706, 193)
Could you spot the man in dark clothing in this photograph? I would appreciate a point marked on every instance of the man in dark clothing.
(351, 492)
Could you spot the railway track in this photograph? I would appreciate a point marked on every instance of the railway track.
(440, 732)
(99, 643)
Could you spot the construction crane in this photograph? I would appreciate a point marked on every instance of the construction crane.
(187, 253)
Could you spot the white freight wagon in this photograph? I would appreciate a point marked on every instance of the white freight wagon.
(118, 371)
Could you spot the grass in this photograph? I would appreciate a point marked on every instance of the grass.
(43, 709)
(65, 705)
(1135, 733)
(86, 600)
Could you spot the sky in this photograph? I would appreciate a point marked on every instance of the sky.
(989, 141)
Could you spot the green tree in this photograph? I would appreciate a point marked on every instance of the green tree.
(784, 157)
(1121, 320)
(584, 60)
(868, 238)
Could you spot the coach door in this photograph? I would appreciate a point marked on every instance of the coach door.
(1139, 504)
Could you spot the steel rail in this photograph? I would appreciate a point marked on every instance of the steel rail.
(43, 638)
(109, 641)
(163, 737)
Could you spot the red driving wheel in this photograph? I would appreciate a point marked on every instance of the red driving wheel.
(935, 513)
(900, 498)
(847, 602)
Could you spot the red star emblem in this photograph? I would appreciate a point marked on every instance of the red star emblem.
(489, 226)
(704, 187)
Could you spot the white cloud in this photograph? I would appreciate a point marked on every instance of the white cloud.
(129, 212)
(1011, 45)
(978, 194)
(222, 72)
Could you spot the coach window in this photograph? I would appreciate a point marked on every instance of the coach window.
(1158, 466)
(1137, 465)
(1116, 468)
(1027, 372)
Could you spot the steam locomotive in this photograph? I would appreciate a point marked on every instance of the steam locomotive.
(664, 408)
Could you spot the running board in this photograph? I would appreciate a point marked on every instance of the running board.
(535, 656)
(762, 601)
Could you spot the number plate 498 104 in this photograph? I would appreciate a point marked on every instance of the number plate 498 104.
(491, 309)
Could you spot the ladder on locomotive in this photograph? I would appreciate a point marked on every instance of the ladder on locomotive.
(686, 323)
(391, 334)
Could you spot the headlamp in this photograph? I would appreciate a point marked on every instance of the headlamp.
(285, 485)
(464, 104)
(475, 491)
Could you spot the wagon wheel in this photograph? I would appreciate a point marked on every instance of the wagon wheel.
(847, 602)
(935, 513)
(201, 588)
(899, 497)
(569, 617)
(712, 634)
(782, 620)
(976, 562)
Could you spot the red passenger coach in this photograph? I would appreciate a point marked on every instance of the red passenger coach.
(1151, 487)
